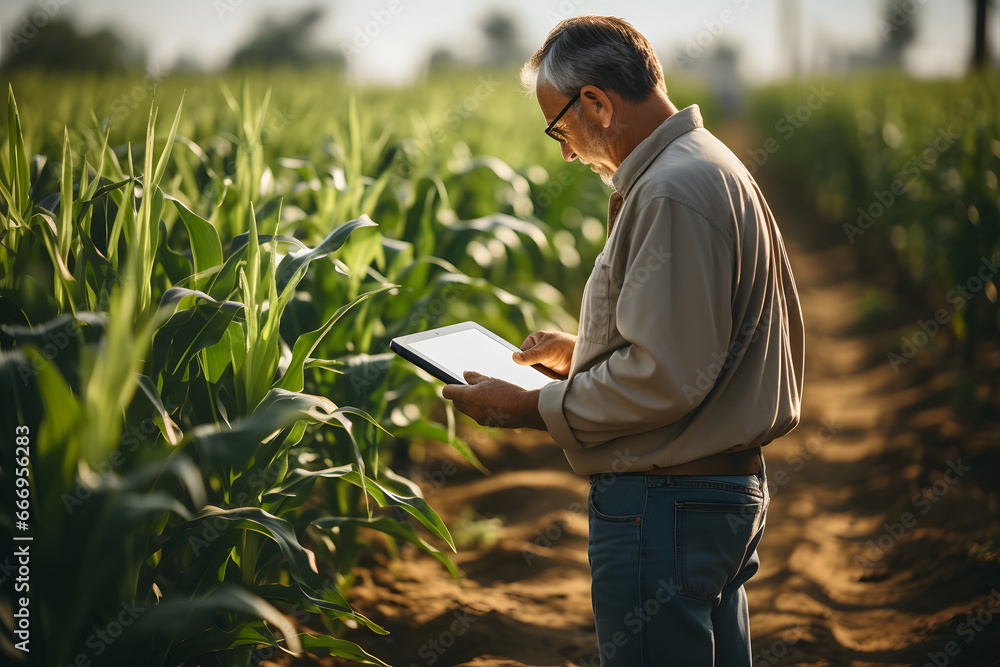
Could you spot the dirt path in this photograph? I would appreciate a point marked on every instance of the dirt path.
(883, 494)
(879, 500)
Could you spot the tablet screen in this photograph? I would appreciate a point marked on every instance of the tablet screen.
(472, 350)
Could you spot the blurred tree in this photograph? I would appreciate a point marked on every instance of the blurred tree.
(287, 42)
(898, 28)
(980, 53)
(442, 58)
(58, 45)
(503, 45)
(186, 64)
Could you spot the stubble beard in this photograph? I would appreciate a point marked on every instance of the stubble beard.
(595, 139)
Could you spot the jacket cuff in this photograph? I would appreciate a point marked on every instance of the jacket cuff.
(550, 406)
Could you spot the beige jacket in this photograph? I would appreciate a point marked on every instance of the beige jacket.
(691, 339)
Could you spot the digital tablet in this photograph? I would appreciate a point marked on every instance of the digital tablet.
(448, 352)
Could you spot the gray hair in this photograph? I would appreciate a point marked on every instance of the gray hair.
(601, 51)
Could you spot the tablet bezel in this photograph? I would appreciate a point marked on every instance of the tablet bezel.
(400, 345)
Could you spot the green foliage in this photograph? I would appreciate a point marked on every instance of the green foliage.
(205, 509)
(909, 169)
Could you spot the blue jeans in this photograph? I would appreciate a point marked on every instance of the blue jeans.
(669, 556)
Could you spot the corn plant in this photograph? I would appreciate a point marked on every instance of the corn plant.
(206, 506)
(909, 171)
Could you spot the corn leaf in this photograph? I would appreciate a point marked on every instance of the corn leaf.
(17, 160)
(189, 331)
(392, 489)
(341, 648)
(314, 587)
(294, 376)
(184, 620)
(390, 526)
(206, 249)
(293, 266)
(167, 427)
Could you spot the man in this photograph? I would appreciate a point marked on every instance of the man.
(688, 360)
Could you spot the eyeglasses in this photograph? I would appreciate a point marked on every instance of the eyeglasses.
(548, 130)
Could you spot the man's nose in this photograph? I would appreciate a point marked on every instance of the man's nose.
(567, 152)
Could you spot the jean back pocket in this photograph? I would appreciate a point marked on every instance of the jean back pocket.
(711, 542)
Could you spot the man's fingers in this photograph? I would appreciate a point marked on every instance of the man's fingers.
(531, 341)
(472, 410)
(455, 392)
(472, 377)
(527, 357)
(452, 392)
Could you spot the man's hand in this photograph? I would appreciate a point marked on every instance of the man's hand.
(493, 402)
(552, 349)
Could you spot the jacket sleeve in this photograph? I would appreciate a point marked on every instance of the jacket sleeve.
(675, 313)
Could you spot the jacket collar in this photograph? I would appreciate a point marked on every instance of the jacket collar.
(636, 163)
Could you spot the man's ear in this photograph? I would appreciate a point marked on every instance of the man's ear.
(597, 106)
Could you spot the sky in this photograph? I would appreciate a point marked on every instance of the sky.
(388, 41)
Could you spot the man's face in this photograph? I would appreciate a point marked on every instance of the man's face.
(578, 137)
